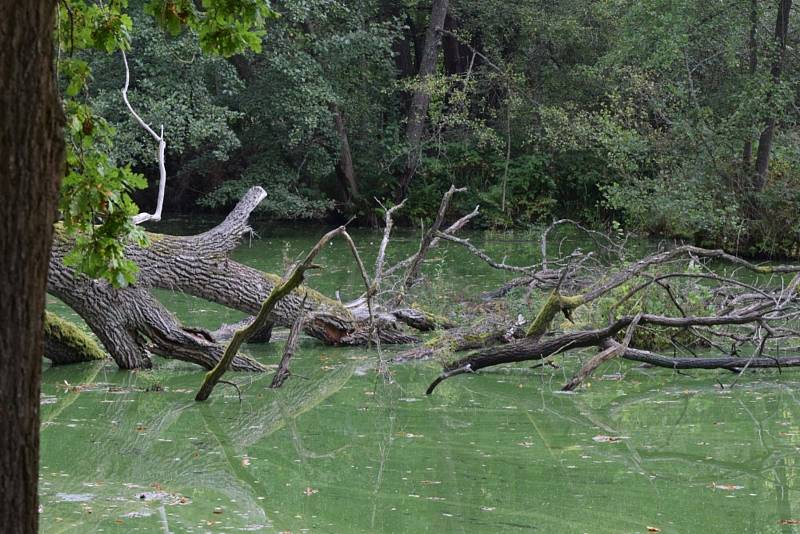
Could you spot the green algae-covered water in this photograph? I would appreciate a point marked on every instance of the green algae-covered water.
(340, 449)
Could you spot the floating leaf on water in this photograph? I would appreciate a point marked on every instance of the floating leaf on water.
(74, 497)
(789, 522)
(613, 376)
(726, 487)
(135, 515)
(408, 435)
(608, 439)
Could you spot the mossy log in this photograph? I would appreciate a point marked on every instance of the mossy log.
(65, 342)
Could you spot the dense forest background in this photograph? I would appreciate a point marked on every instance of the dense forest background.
(672, 118)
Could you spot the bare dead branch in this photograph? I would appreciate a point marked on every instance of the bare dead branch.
(282, 373)
(162, 147)
(425, 244)
(589, 367)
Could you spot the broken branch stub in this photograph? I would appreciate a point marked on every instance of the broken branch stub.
(282, 373)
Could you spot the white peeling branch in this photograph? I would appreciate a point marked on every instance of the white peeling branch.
(162, 148)
(385, 242)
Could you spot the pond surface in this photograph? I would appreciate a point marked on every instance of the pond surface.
(339, 449)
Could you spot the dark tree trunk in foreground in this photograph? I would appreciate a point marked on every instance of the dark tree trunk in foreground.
(421, 97)
(31, 159)
(765, 140)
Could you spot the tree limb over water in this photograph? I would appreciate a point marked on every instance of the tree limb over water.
(131, 324)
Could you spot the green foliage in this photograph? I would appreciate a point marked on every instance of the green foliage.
(171, 84)
(95, 197)
(224, 27)
(95, 204)
(290, 145)
(778, 234)
(634, 112)
(286, 200)
(682, 207)
(529, 187)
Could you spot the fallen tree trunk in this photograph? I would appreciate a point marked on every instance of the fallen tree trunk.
(131, 323)
(288, 284)
(731, 363)
(199, 265)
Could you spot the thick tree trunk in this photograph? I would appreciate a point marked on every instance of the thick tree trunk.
(767, 135)
(421, 98)
(31, 164)
(131, 323)
(402, 55)
(401, 47)
(456, 55)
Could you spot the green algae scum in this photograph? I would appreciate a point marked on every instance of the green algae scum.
(341, 449)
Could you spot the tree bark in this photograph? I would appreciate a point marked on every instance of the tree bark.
(401, 47)
(131, 323)
(765, 140)
(421, 98)
(282, 373)
(455, 54)
(31, 166)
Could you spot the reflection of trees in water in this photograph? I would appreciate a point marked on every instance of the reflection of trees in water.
(770, 464)
(204, 449)
(210, 442)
